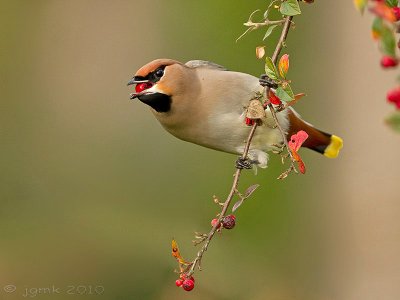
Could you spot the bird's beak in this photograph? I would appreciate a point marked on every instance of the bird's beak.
(136, 80)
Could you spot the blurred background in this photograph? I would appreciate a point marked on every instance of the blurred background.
(92, 189)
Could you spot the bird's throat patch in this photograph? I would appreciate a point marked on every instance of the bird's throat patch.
(158, 101)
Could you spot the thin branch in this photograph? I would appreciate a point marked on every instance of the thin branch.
(256, 25)
(197, 261)
(279, 46)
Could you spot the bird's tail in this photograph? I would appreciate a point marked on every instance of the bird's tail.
(324, 143)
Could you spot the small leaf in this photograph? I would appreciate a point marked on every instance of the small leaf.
(392, 3)
(270, 69)
(237, 205)
(260, 52)
(283, 65)
(297, 97)
(250, 190)
(297, 139)
(284, 94)
(387, 41)
(290, 8)
(382, 10)
(360, 5)
(376, 29)
(247, 194)
(269, 31)
(289, 91)
(393, 121)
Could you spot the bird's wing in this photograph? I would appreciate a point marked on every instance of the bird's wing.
(204, 64)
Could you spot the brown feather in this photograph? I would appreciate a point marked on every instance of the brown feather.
(152, 66)
(317, 140)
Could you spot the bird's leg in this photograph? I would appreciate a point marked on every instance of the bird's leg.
(266, 81)
(244, 163)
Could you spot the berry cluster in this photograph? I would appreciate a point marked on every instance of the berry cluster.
(227, 222)
(186, 283)
(384, 28)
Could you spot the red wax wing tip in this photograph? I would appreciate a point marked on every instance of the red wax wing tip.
(274, 99)
(140, 87)
(296, 140)
(249, 122)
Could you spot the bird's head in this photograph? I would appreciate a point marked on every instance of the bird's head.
(155, 83)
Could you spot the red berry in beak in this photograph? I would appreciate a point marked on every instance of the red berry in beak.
(140, 87)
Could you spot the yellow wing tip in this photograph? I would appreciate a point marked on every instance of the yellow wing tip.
(334, 147)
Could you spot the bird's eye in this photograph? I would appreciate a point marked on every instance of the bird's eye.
(159, 73)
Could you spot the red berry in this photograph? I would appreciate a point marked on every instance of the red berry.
(183, 276)
(393, 96)
(389, 61)
(188, 285)
(178, 282)
(229, 222)
(140, 87)
(215, 221)
(396, 12)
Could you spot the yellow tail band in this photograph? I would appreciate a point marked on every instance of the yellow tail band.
(334, 147)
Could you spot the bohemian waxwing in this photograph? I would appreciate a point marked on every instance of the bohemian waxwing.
(203, 103)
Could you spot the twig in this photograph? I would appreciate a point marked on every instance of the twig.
(256, 25)
(233, 191)
(279, 46)
(197, 260)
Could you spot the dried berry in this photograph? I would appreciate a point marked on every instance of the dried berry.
(188, 285)
(229, 222)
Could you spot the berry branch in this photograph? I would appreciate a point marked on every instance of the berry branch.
(278, 49)
(277, 91)
(384, 28)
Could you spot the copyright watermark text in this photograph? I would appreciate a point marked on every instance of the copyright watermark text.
(32, 292)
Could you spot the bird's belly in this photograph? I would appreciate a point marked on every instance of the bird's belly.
(229, 133)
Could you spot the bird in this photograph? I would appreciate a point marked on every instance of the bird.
(204, 103)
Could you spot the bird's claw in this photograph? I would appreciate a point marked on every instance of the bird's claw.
(244, 163)
(266, 81)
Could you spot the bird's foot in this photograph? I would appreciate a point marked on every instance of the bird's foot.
(266, 81)
(244, 163)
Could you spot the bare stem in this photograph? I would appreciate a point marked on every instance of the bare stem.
(279, 46)
(225, 207)
(256, 25)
